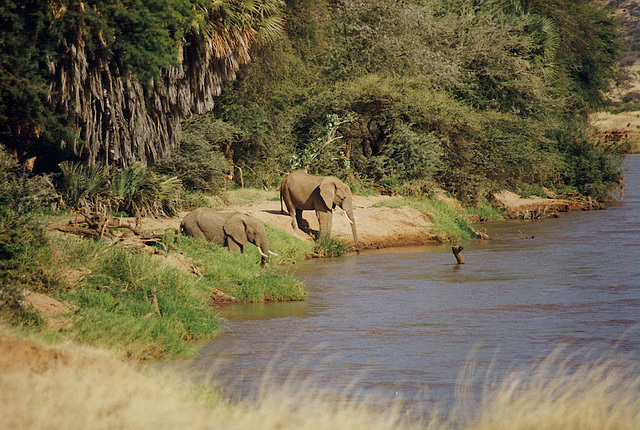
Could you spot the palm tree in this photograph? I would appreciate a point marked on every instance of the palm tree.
(121, 79)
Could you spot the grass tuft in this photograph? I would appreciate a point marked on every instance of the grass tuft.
(331, 247)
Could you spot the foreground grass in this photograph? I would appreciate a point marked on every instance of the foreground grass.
(71, 387)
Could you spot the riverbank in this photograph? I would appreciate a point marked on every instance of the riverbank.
(101, 285)
(382, 221)
(385, 221)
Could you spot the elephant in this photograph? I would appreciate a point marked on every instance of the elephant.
(229, 229)
(301, 191)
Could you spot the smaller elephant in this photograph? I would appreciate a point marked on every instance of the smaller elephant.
(229, 229)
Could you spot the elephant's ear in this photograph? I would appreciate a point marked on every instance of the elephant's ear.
(328, 192)
(235, 227)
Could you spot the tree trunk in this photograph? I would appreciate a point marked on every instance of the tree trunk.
(118, 119)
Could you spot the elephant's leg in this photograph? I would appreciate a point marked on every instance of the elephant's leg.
(285, 196)
(294, 221)
(193, 229)
(199, 234)
(234, 246)
(324, 220)
(301, 222)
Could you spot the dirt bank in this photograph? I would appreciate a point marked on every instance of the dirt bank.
(384, 227)
(517, 207)
(380, 226)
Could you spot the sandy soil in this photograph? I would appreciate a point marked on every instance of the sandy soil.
(384, 227)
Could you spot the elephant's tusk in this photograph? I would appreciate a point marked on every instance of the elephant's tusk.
(262, 253)
(272, 253)
(347, 216)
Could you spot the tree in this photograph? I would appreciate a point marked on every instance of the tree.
(109, 81)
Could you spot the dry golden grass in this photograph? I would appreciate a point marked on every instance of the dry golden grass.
(600, 395)
(624, 121)
(71, 387)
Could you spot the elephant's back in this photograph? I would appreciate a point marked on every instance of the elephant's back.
(208, 221)
(299, 188)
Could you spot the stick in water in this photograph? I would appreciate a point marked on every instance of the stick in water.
(457, 252)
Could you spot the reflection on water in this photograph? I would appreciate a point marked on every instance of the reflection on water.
(402, 323)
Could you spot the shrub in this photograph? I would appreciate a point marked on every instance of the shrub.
(22, 238)
(199, 161)
(83, 186)
(330, 247)
(134, 190)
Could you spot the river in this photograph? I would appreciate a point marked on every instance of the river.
(402, 323)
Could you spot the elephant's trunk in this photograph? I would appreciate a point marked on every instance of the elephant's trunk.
(352, 220)
(263, 249)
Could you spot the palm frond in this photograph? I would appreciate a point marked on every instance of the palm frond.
(82, 186)
(137, 190)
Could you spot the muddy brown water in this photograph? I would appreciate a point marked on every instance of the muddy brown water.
(402, 323)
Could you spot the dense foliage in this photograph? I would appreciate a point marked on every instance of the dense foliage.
(21, 237)
(469, 95)
(466, 95)
(199, 160)
(108, 81)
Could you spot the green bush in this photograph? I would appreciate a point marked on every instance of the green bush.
(22, 242)
(199, 162)
(83, 186)
(134, 190)
(330, 247)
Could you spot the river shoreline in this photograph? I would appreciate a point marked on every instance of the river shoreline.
(381, 226)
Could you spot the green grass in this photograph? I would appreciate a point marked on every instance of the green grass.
(240, 275)
(331, 247)
(115, 302)
(114, 289)
(484, 211)
(289, 248)
(245, 196)
(449, 223)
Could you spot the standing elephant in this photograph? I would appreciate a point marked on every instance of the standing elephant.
(301, 191)
(230, 229)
